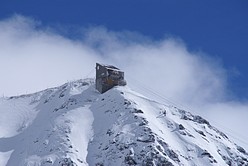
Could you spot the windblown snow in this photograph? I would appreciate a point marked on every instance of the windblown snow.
(76, 125)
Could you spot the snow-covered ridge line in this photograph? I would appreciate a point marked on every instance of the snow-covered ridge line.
(74, 124)
(86, 80)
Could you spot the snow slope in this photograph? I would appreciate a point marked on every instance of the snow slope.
(75, 125)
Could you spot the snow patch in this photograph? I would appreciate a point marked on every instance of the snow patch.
(4, 157)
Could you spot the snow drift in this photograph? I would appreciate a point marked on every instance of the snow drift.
(76, 125)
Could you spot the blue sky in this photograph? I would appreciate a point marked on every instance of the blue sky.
(192, 52)
(217, 28)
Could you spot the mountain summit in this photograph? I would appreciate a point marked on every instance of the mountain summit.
(76, 125)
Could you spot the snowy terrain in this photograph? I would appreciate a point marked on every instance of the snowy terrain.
(75, 125)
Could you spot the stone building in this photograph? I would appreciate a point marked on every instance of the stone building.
(108, 76)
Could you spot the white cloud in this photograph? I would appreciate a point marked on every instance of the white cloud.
(33, 58)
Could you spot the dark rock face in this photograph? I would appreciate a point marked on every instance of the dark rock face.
(67, 162)
(242, 150)
(200, 120)
(181, 127)
(138, 111)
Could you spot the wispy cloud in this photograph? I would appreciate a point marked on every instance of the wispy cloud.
(33, 58)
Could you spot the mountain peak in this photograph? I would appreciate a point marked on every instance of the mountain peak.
(74, 124)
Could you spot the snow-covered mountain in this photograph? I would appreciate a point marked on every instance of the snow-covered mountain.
(76, 125)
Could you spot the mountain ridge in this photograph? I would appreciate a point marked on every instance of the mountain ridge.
(73, 124)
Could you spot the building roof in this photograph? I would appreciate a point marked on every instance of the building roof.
(111, 67)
